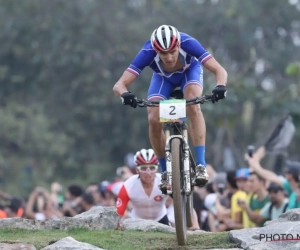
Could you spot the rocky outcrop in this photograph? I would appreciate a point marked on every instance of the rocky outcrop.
(152, 226)
(70, 243)
(282, 234)
(146, 226)
(289, 216)
(97, 218)
(16, 246)
(226, 249)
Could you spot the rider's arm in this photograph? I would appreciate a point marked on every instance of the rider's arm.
(122, 201)
(142, 59)
(121, 86)
(195, 48)
(213, 66)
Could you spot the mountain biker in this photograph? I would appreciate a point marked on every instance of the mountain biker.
(176, 59)
(143, 192)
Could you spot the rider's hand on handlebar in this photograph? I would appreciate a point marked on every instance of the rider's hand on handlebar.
(218, 93)
(129, 99)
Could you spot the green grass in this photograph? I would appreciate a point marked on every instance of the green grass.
(117, 240)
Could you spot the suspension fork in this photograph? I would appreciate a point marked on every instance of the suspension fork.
(183, 136)
(186, 160)
(168, 157)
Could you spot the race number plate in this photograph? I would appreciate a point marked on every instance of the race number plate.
(172, 110)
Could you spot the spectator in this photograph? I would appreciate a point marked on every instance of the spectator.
(103, 187)
(94, 190)
(14, 208)
(86, 202)
(92, 187)
(111, 193)
(73, 192)
(241, 178)
(273, 209)
(72, 199)
(56, 194)
(45, 208)
(257, 199)
(3, 214)
(236, 219)
(298, 193)
(289, 183)
(124, 172)
(217, 203)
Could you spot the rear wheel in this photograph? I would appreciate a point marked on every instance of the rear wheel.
(179, 199)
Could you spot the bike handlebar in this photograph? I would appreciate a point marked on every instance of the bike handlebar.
(198, 100)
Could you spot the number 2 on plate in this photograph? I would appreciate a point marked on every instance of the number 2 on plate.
(172, 110)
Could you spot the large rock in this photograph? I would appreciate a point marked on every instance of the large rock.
(281, 234)
(196, 232)
(226, 249)
(69, 243)
(291, 215)
(146, 226)
(151, 226)
(97, 218)
(16, 246)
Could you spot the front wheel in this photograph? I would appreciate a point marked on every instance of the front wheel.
(189, 210)
(179, 198)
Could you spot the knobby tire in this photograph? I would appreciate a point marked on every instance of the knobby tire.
(189, 210)
(178, 198)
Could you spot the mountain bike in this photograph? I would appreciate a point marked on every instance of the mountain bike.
(181, 167)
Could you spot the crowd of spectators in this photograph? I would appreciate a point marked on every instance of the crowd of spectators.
(235, 199)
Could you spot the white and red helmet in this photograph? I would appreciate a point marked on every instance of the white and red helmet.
(145, 157)
(165, 38)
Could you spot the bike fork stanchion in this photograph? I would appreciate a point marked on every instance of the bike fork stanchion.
(168, 159)
(186, 161)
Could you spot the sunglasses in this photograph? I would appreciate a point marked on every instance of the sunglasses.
(145, 168)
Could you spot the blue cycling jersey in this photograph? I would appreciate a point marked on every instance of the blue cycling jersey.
(190, 50)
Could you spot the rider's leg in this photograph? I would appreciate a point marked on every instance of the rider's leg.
(192, 87)
(157, 136)
(159, 89)
(197, 127)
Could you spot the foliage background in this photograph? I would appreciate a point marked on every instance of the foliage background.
(59, 60)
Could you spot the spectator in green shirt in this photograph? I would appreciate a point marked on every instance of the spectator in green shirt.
(274, 208)
(257, 198)
(289, 183)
